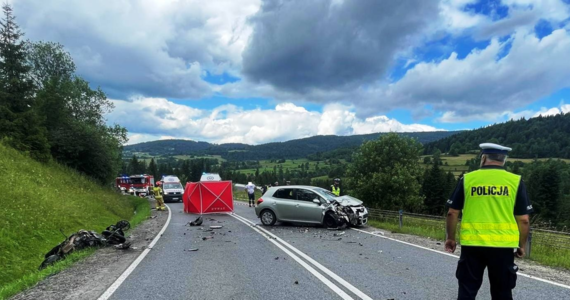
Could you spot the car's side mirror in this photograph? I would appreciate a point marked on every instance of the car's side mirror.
(317, 201)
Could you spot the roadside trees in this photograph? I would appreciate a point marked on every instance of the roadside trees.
(386, 173)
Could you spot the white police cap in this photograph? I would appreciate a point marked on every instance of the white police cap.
(490, 148)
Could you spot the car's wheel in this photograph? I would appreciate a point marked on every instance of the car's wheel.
(268, 218)
(329, 221)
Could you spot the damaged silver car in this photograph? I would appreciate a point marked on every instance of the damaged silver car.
(309, 204)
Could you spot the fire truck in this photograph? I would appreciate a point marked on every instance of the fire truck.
(135, 184)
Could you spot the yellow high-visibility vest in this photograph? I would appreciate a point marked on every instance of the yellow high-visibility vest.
(157, 192)
(335, 190)
(488, 213)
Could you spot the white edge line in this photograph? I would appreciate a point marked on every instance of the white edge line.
(109, 292)
(452, 255)
(327, 282)
(343, 282)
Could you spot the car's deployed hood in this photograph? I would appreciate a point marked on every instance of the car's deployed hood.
(348, 201)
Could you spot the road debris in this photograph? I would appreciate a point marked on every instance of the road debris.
(277, 258)
(296, 281)
(197, 222)
(152, 217)
(192, 249)
(339, 234)
(360, 244)
(123, 246)
(207, 238)
(216, 227)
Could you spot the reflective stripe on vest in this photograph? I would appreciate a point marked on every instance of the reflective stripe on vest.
(488, 214)
(335, 190)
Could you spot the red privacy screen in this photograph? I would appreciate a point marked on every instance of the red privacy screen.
(208, 197)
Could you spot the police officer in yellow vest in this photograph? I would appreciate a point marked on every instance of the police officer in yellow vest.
(335, 188)
(495, 222)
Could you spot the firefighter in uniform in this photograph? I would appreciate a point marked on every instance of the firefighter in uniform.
(335, 188)
(157, 191)
(494, 226)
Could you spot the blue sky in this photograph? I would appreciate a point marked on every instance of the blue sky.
(254, 72)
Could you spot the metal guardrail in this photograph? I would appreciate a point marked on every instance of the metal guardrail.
(557, 242)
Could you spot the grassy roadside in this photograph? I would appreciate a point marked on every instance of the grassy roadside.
(40, 199)
(241, 195)
(142, 212)
(543, 253)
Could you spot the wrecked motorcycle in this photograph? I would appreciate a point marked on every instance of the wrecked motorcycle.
(82, 239)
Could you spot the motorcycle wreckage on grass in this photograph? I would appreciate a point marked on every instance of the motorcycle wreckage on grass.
(112, 235)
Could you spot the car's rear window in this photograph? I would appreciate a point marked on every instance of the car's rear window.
(284, 194)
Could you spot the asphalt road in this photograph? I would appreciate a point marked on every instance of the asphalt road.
(244, 261)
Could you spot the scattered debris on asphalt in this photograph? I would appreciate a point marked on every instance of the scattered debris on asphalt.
(277, 258)
(360, 244)
(192, 249)
(216, 227)
(152, 217)
(438, 243)
(339, 234)
(379, 251)
(207, 238)
(197, 222)
(339, 239)
(296, 281)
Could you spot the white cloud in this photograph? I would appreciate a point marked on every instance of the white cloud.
(481, 83)
(156, 118)
(492, 117)
(155, 48)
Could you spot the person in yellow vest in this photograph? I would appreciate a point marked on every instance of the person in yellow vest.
(494, 225)
(157, 191)
(335, 188)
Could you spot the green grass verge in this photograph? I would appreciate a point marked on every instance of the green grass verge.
(543, 251)
(31, 279)
(40, 199)
(241, 195)
(434, 231)
(142, 212)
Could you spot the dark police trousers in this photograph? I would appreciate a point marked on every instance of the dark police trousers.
(501, 268)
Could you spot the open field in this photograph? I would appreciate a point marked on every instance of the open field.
(291, 164)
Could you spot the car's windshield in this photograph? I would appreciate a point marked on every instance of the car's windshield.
(327, 194)
(137, 180)
(172, 186)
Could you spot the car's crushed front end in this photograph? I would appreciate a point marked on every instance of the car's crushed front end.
(348, 211)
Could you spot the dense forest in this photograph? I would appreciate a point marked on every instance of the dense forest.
(539, 137)
(49, 112)
(299, 148)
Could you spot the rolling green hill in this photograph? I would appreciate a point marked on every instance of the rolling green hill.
(299, 148)
(39, 200)
(539, 137)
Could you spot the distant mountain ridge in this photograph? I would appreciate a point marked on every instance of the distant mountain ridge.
(292, 149)
(539, 137)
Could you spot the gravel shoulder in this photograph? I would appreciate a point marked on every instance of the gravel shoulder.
(526, 266)
(89, 278)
